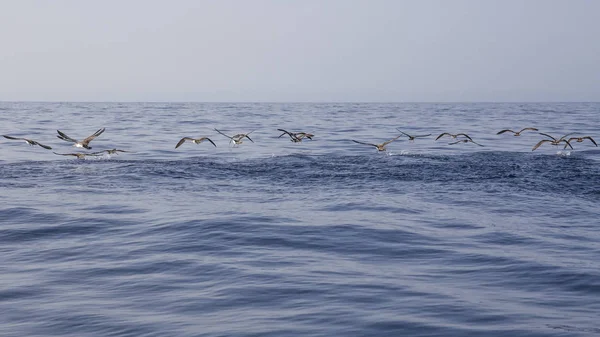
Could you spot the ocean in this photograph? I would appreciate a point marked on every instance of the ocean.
(324, 237)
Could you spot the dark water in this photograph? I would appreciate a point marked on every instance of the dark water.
(320, 238)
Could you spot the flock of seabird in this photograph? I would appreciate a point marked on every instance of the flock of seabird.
(297, 137)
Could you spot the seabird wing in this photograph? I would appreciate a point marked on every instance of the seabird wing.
(590, 138)
(547, 135)
(391, 140)
(505, 130)
(356, 141)
(213, 143)
(532, 129)
(224, 134)
(63, 136)
(568, 143)
(42, 145)
(442, 135)
(90, 138)
(463, 134)
(182, 141)
(540, 143)
(13, 138)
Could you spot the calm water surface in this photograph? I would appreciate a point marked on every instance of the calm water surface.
(318, 238)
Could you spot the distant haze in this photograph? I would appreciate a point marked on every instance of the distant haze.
(303, 50)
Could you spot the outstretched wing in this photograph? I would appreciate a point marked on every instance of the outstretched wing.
(442, 135)
(246, 135)
(404, 133)
(65, 154)
(285, 132)
(182, 141)
(568, 143)
(532, 129)
(474, 142)
(464, 134)
(213, 143)
(547, 135)
(456, 142)
(565, 136)
(356, 141)
(540, 143)
(420, 136)
(63, 136)
(13, 138)
(391, 140)
(90, 138)
(506, 130)
(42, 145)
(588, 137)
(224, 134)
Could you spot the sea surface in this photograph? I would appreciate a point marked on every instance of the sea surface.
(318, 238)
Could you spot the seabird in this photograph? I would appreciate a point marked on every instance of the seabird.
(84, 143)
(79, 155)
(292, 135)
(380, 147)
(412, 138)
(113, 151)
(516, 133)
(465, 141)
(237, 139)
(554, 141)
(194, 140)
(452, 135)
(580, 139)
(29, 141)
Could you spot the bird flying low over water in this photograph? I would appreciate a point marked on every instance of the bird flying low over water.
(455, 135)
(516, 133)
(580, 139)
(79, 155)
(28, 141)
(112, 151)
(237, 139)
(553, 141)
(296, 136)
(292, 135)
(412, 138)
(84, 143)
(465, 141)
(194, 140)
(380, 147)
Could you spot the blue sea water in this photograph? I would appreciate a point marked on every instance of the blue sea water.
(319, 238)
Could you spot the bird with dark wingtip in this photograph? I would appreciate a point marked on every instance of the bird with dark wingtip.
(237, 139)
(465, 141)
(79, 155)
(194, 140)
(412, 138)
(516, 133)
(111, 151)
(453, 135)
(380, 147)
(580, 140)
(84, 143)
(553, 141)
(29, 141)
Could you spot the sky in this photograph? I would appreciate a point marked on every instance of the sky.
(300, 50)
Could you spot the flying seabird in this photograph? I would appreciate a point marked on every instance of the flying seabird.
(194, 140)
(452, 135)
(237, 139)
(113, 151)
(465, 141)
(79, 155)
(84, 143)
(380, 147)
(554, 141)
(412, 138)
(29, 141)
(580, 139)
(292, 135)
(516, 133)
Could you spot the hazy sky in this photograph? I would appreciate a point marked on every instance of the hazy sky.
(300, 50)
